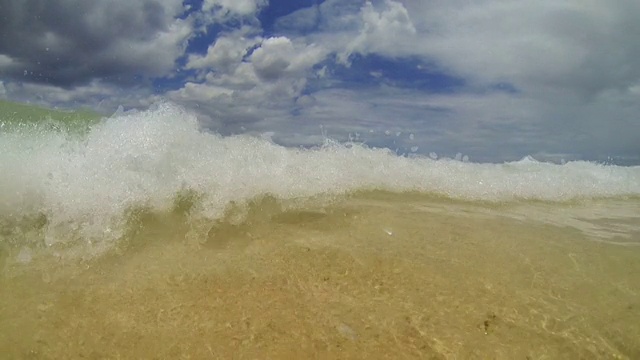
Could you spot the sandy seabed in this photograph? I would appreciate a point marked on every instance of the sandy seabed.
(366, 278)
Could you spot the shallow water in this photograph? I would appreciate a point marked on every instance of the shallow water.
(141, 236)
(372, 275)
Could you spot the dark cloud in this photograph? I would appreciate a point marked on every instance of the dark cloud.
(492, 79)
(66, 43)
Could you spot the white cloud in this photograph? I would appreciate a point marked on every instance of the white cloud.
(570, 69)
(256, 93)
(196, 92)
(272, 58)
(573, 66)
(479, 125)
(241, 78)
(226, 53)
(256, 90)
(240, 7)
(579, 46)
(543, 47)
(381, 31)
(278, 55)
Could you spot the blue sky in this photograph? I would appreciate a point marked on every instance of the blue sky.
(490, 79)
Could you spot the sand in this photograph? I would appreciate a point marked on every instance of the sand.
(368, 277)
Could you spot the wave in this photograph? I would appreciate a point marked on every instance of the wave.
(156, 159)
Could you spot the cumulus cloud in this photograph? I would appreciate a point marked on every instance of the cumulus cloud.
(238, 63)
(388, 31)
(272, 58)
(543, 47)
(278, 55)
(226, 52)
(250, 83)
(583, 47)
(65, 44)
(557, 79)
(568, 70)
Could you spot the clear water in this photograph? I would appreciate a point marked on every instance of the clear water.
(145, 237)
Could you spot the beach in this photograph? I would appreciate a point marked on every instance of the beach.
(320, 179)
(142, 236)
(375, 275)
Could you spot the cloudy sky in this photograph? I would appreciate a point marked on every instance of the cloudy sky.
(492, 79)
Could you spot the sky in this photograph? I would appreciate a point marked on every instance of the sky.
(494, 80)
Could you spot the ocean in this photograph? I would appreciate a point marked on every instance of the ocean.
(142, 236)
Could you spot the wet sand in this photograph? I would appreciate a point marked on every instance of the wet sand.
(367, 278)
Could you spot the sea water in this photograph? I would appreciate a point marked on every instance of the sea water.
(142, 236)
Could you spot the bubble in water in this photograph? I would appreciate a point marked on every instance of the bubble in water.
(146, 159)
(24, 256)
(346, 331)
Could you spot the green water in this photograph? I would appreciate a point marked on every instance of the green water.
(14, 116)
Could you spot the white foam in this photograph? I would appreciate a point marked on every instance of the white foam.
(146, 158)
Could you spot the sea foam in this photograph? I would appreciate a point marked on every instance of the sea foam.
(146, 159)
